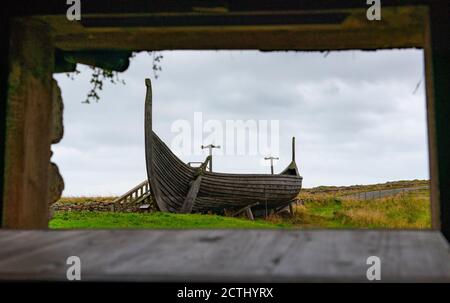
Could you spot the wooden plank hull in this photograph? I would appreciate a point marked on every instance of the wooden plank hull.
(171, 179)
(218, 191)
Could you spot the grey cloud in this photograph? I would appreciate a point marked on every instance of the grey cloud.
(353, 113)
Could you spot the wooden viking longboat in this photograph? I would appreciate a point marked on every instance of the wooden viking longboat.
(178, 187)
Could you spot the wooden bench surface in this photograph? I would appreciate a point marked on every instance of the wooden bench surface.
(224, 255)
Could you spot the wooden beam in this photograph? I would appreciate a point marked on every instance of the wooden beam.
(133, 7)
(291, 209)
(244, 209)
(249, 214)
(266, 39)
(4, 72)
(437, 64)
(189, 201)
(244, 255)
(29, 126)
(400, 27)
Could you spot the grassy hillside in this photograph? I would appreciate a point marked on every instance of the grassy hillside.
(405, 210)
(345, 190)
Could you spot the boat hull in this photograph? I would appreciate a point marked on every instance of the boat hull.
(177, 187)
(218, 192)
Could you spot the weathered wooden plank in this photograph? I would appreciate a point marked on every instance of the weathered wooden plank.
(437, 66)
(244, 209)
(27, 173)
(137, 7)
(291, 209)
(191, 196)
(225, 255)
(249, 214)
(131, 191)
(401, 27)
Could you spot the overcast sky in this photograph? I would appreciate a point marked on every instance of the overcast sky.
(357, 116)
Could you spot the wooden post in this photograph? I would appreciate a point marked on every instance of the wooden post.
(4, 72)
(437, 67)
(26, 193)
(210, 148)
(249, 214)
(188, 203)
(291, 208)
(293, 149)
(244, 209)
(271, 158)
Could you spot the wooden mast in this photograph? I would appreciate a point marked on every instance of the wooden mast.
(293, 149)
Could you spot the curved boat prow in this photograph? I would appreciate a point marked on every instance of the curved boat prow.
(292, 168)
(149, 152)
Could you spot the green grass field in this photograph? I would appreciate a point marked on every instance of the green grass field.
(406, 210)
(321, 209)
(154, 220)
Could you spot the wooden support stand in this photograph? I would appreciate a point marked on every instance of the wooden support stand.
(191, 196)
(291, 208)
(249, 214)
(247, 210)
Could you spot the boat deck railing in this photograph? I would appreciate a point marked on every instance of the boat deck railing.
(139, 193)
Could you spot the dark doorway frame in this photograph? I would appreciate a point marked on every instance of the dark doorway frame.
(17, 186)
